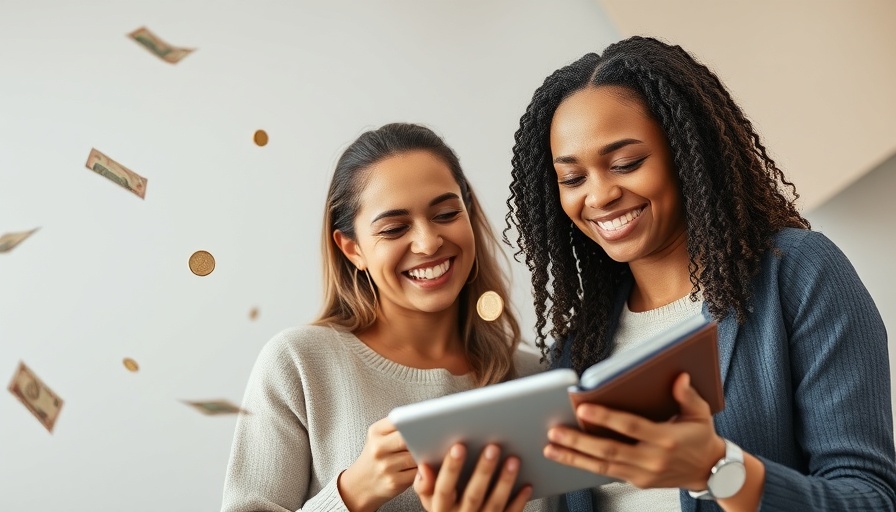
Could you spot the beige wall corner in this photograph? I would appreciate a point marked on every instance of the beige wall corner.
(816, 78)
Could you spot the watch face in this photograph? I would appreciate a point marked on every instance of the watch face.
(727, 480)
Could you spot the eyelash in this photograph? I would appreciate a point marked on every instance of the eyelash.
(629, 167)
(572, 181)
(447, 216)
(393, 232)
(443, 218)
(619, 169)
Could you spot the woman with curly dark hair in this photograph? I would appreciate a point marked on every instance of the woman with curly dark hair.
(642, 195)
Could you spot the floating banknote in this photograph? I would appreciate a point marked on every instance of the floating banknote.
(43, 403)
(9, 241)
(159, 48)
(215, 407)
(117, 173)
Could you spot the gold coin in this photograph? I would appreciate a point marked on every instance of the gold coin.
(261, 137)
(202, 263)
(130, 364)
(490, 306)
(253, 313)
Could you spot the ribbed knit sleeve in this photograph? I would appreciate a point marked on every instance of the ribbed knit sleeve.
(271, 459)
(840, 380)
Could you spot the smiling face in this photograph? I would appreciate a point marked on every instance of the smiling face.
(615, 174)
(413, 234)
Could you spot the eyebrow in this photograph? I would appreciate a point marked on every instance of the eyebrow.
(609, 148)
(398, 213)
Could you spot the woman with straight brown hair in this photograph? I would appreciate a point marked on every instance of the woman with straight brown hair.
(407, 252)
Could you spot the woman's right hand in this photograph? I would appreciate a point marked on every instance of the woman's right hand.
(384, 470)
(439, 493)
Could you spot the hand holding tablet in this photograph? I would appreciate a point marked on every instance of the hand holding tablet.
(516, 415)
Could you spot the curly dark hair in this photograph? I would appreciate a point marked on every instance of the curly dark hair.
(735, 197)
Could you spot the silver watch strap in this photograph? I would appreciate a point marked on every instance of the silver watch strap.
(733, 452)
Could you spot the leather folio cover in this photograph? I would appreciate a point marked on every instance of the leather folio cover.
(646, 388)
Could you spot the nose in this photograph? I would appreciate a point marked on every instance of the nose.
(426, 240)
(602, 193)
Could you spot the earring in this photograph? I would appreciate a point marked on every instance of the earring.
(475, 271)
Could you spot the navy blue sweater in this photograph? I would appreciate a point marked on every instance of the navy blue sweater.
(807, 384)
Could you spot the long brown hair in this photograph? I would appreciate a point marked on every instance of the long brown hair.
(350, 300)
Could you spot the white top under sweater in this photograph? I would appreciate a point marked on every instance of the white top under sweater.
(311, 396)
(633, 329)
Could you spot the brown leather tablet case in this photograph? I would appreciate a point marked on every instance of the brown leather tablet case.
(646, 389)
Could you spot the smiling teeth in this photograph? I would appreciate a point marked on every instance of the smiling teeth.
(431, 272)
(619, 222)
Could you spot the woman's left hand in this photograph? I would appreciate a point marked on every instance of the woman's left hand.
(677, 453)
(488, 489)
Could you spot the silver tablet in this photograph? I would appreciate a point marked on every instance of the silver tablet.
(515, 415)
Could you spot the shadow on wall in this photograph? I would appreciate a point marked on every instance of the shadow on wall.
(860, 220)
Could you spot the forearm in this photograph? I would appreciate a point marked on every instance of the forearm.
(351, 494)
(750, 495)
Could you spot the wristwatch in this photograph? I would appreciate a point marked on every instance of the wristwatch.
(726, 477)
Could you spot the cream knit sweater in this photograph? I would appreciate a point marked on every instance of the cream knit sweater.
(311, 396)
(633, 329)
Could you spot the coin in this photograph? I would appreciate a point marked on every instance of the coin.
(490, 306)
(130, 364)
(202, 263)
(261, 137)
(253, 313)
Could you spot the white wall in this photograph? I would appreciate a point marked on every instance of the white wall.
(860, 221)
(106, 276)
